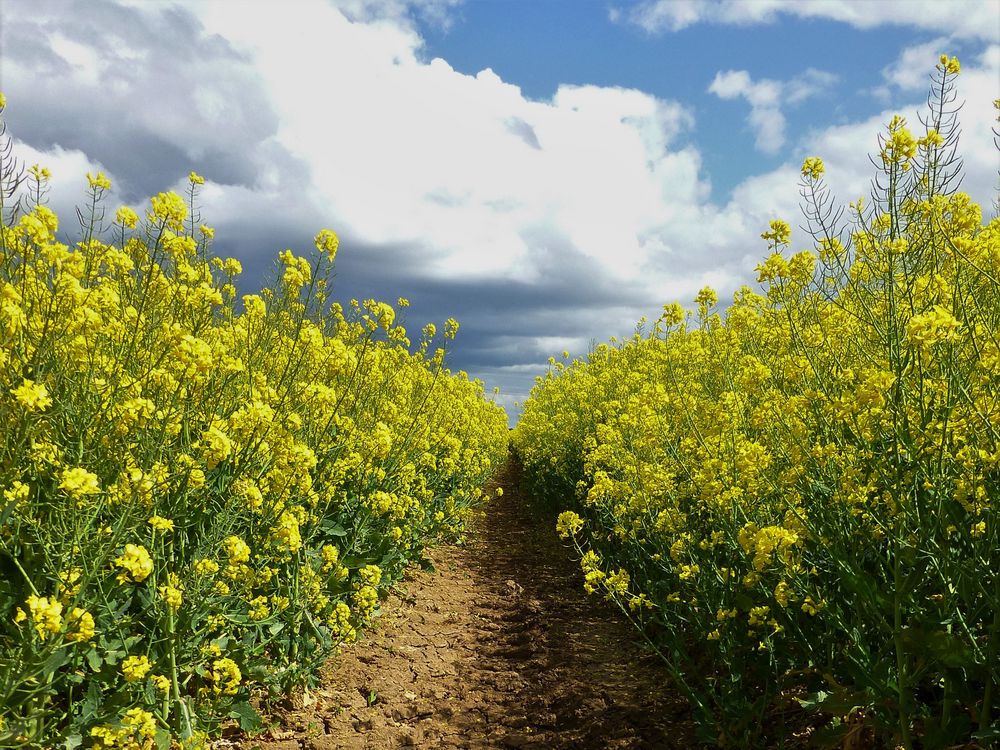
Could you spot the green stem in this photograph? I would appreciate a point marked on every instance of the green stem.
(991, 660)
(901, 670)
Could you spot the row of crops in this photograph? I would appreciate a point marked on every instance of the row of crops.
(202, 494)
(798, 501)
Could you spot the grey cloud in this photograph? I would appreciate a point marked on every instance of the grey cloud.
(171, 98)
(524, 131)
(435, 12)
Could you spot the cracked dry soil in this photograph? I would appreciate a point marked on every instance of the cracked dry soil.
(499, 647)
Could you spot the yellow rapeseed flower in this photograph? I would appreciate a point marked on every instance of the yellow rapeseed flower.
(327, 242)
(40, 173)
(949, 65)
(237, 549)
(568, 524)
(127, 217)
(161, 524)
(134, 668)
(900, 147)
(226, 677)
(169, 209)
(813, 168)
(32, 396)
(98, 182)
(81, 623)
(46, 615)
(779, 234)
(40, 225)
(78, 483)
(258, 608)
(205, 567)
(135, 564)
(286, 532)
(783, 593)
(172, 596)
(137, 731)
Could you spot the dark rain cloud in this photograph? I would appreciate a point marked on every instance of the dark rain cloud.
(168, 96)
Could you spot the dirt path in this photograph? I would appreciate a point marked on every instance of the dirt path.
(499, 648)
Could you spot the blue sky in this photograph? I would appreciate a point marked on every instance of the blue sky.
(541, 45)
(546, 172)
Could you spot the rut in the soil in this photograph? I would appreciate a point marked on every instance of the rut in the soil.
(498, 648)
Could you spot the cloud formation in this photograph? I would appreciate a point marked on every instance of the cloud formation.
(966, 19)
(767, 98)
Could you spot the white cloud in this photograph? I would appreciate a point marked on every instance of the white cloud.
(766, 98)
(481, 179)
(970, 19)
(909, 71)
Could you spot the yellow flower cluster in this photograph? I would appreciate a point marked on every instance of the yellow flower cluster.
(822, 459)
(81, 623)
(172, 596)
(135, 564)
(32, 396)
(135, 668)
(186, 465)
(45, 615)
(135, 731)
(226, 677)
(159, 523)
(568, 524)
(77, 482)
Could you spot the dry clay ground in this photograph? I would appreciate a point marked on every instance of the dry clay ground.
(498, 648)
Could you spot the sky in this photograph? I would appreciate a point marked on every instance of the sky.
(545, 171)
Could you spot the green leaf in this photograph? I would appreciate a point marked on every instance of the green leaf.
(55, 661)
(813, 701)
(94, 659)
(91, 703)
(162, 739)
(249, 719)
(73, 741)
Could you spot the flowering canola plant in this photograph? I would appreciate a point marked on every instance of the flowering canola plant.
(798, 500)
(202, 494)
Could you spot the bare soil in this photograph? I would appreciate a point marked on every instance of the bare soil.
(499, 647)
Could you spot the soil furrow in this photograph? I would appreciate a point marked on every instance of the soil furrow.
(499, 647)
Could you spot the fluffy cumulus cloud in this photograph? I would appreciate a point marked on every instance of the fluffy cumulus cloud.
(542, 225)
(462, 170)
(767, 97)
(971, 19)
